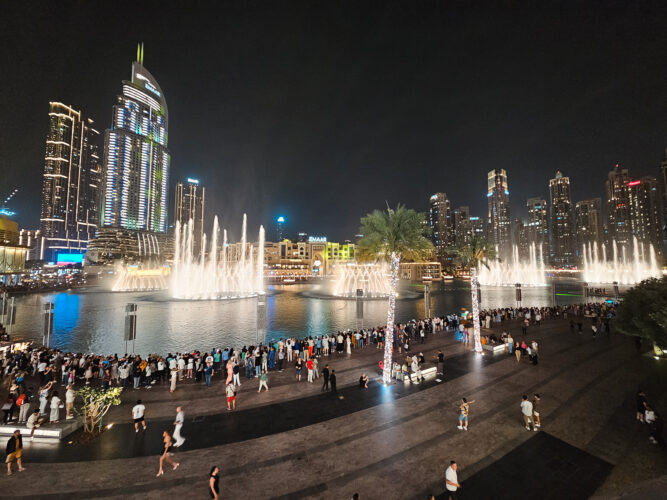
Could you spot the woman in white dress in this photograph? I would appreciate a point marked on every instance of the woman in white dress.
(348, 344)
(55, 408)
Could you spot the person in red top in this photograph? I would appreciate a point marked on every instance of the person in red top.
(309, 364)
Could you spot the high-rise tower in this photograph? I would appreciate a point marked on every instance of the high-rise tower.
(440, 221)
(136, 155)
(536, 227)
(189, 207)
(562, 223)
(72, 183)
(645, 210)
(498, 217)
(618, 206)
(588, 223)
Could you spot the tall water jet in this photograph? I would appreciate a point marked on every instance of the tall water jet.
(529, 272)
(620, 269)
(231, 273)
(373, 279)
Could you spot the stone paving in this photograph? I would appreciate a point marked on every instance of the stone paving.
(398, 446)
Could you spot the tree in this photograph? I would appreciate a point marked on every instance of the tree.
(96, 404)
(393, 235)
(643, 311)
(470, 255)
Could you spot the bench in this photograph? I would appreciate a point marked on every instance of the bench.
(494, 348)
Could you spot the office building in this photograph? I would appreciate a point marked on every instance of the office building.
(72, 182)
(280, 228)
(136, 157)
(189, 208)
(562, 224)
(618, 206)
(498, 216)
(440, 222)
(461, 226)
(536, 227)
(663, 182)
(644, 200)
(588, 223)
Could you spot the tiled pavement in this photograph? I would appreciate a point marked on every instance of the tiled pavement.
(399, 449)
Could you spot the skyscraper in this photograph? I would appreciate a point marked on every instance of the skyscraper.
(498, 217)
(189, 207)
(644, 200)
(588, 223)
(462, 227)
(663, 177)
(280, 228)
(440, 221)
(72, 182)
(562, 224)
(536, 227)
(618, 206)
(136, 155)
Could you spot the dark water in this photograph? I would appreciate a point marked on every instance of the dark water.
(93, 320)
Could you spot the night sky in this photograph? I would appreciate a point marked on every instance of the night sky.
(322, 110)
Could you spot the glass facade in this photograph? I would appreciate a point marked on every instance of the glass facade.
(136, 156)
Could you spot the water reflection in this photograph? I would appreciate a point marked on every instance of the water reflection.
(93, 321)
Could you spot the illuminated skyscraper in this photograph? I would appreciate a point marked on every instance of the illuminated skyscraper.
(440, 221)
(498, 217)
(72, 182)
(537, 227)
(280, 228)
(462, 230)
(645, 210)
(562, 223)
(588, 223)
(189, 206)
(618, 206)
(136, 155)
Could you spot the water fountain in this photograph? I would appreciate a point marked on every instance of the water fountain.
(621, 269)
(234, 273)
(135, 278)
(515, 270)
(372, 278)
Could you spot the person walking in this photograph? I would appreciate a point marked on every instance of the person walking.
(213, 480)
(325, 376)
(451, 481)
(166, 453)
(231, 397)
(263, 381)
(464, 409)
(138, 413)
(332, 379)
(536, 410)
(527, 412)
(178, 425)
(14, 451)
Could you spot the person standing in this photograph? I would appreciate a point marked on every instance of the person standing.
(166, 453)
(231, 397)
(55, 409)
(299, 366)
(208, 372)
(441, 363)
(138, 413)
(263, 381)
(14, 451)
(213, 480)
(178, 425)
(325, 376)
(174, 376)
(451, 481)
(237, 375)
(527, 412)
(517, 351)
(332, 379)
(464, 409)
(69, 402)
(309, 365)
(536, 410)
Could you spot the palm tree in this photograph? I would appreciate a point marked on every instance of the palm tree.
(393, 235)
(470, 255)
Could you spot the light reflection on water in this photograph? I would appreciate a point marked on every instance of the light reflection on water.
(93, 320)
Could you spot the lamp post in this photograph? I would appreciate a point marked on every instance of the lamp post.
(130, 325)
(48, 324)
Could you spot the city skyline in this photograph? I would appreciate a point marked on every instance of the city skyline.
(250, 114)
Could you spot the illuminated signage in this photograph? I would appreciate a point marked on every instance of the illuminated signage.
(634, 183)
(153, 89)
(69, 258)
(193, 181)
(317, 239)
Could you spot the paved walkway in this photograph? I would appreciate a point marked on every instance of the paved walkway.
(398, 447)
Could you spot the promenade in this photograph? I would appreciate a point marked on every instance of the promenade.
(389, 443)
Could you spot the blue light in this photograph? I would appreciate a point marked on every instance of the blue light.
(8, 213)
(507, 192)
(280, 219)
(69, 258)
(488, 195)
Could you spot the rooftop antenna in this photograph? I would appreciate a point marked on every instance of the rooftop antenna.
(140, 53)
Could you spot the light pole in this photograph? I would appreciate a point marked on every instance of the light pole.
(130, 325)
(48, 324)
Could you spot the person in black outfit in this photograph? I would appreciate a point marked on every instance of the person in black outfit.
(214, 478)
(332, 379)
(325, 376)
